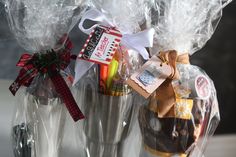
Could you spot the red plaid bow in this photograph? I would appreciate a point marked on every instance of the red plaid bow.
(49, 63)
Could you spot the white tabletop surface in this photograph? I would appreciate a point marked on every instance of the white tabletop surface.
(219, 146)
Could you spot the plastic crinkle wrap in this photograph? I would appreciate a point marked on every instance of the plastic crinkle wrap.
(41, 28)
(124, 14)
(38, 25)
(106, 97)
(183, 109)
(185, 26)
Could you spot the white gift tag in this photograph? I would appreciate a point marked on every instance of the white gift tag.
(101, 45)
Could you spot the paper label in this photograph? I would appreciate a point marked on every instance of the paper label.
(152, 74)
(101, 45)
(183, 108)
(202, 86)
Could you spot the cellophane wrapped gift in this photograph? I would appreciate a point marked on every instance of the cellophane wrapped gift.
(41, 28)
(106, 98)
(183, 109)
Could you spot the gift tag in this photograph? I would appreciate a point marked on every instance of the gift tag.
(152, 74)
(101, 45)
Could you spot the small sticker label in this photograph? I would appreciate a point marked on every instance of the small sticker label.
(202, 86)
(101, 45)
(146, 78)
(183, 108)
(152, 74)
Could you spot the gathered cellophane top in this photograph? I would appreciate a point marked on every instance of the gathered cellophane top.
(185, 26)
(124, 14)
(39, 24)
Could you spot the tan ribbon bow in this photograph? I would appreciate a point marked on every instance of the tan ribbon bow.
(163, 100)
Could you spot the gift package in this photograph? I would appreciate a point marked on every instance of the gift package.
(133, 91)
(41, 28)
(182, 112)
(114, 50)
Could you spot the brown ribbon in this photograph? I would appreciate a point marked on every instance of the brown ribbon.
(163, 100)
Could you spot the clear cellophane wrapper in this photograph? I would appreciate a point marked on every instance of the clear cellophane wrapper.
(108, 105)
(184, 26)
(122, 14)
(38, 122)
(107, 100)
(195, 121)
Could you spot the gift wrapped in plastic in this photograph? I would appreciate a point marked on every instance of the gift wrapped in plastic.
(108, 109)
(41, 28)
(116, 43)
(183, 109)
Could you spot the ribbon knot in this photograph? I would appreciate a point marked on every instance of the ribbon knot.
(165, 94)
(137, 41)
(49, 63)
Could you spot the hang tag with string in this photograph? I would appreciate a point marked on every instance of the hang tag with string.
(150, 76)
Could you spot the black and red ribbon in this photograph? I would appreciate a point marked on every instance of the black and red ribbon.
(49, 63)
